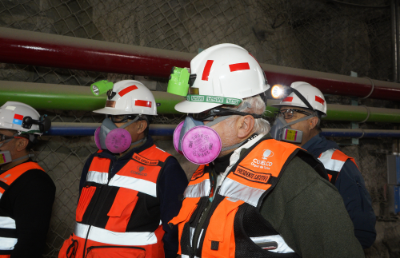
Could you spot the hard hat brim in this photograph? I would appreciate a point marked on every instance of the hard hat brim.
(113, 111)
(194, 107)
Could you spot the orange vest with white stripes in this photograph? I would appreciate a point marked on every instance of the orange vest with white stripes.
(113, 217)
(8, 229)
(233, 226)
(333, 161)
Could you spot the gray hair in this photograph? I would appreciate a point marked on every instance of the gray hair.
(255, 105)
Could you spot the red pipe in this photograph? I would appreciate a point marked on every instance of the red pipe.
(35, 48)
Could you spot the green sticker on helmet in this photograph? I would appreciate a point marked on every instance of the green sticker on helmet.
(214, 99)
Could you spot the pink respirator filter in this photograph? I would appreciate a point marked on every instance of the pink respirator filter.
(201, 145)
(176, 136)
(97, 138)
(118, 140)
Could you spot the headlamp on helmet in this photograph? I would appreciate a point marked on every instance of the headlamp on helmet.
(101, 87)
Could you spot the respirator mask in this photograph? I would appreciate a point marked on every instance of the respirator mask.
(282, 131)
(5, 156)
(199, 143)
(117, 140)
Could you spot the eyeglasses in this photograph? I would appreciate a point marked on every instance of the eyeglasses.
(4, 137)
(289, 113)
(211, 113)
(121, 118)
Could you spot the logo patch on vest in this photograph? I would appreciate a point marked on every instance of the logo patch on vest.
(144, 160)
(251, 175)
(140, 171)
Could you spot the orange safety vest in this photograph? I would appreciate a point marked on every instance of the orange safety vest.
(333, 161)
(8, 229)
(112, 219)
(231, 226)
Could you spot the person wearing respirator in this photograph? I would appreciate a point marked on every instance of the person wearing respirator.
(251, 196)
(26, 191)
(130, 188)
(298, 122)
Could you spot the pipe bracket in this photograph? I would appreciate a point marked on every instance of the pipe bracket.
(368, 114)
(372, 88)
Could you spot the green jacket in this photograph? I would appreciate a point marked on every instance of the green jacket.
(309, 214)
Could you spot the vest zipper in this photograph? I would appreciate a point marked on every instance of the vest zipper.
(97, 215)
(203, 217)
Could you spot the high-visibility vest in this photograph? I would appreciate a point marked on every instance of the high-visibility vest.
(231, 226)
(333, 161)
(8, 229)
(112, 219)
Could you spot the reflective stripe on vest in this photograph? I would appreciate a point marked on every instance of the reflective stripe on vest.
(282, 247)
(136, 184)
(249, 181)
(116, 225)
(333, 161)
(258, 172)
(199, 185)
(7, 243)
(8, 223)
(115, 238)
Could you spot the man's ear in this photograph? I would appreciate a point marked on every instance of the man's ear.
(21, 144)
(245, 125)
(142, 125)
(313, 121)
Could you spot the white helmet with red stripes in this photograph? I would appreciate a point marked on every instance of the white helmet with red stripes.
(313, 95)
(225, 75)
(129, 97)
(17, 116)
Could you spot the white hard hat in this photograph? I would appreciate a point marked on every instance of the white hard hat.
(18, 116)
(129, 97)
(312, 94)
(225, 73)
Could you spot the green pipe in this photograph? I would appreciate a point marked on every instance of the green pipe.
(68, 97)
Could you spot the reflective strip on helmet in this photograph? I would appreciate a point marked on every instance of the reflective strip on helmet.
(320, 100)
(329, 163)
(236, 190)
(198, 190)
(239, 67)
(7, 222)
(114, 238)
(127, 90)
(97, 177)
(136, 184)
(206, 71)
(214, 99)
(143, 103)
(282, 246)
(7, 243)
(287, 99)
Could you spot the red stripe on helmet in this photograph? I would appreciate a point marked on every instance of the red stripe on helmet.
(239, 67)
(320, 100)
(127, 90)
(143, 103)
(287, 99)
(206, 71)
(18, 116)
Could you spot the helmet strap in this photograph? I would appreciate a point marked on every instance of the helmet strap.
(305, 101)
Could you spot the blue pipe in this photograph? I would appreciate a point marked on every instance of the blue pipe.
(87, 129)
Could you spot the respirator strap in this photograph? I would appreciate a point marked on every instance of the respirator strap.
(298, 120)
(131, 122)
(140, 141)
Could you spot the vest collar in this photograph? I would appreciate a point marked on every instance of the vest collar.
(236, 156)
